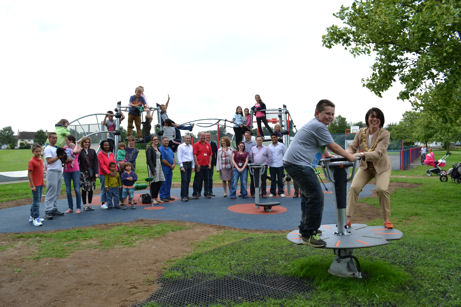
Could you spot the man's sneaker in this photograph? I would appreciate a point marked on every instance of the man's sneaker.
(30, 219)
(315, 241)
(88, 208)
(56, 212)
(48, 216)
(104, 206)
(282, 195)
(123, 207)
(271, 195)
(37, 222)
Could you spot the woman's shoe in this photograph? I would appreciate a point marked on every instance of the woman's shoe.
(68, 211)
(77, 211)
(388, 225)
(225, 195)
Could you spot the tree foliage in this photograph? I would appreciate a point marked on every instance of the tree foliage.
(7, 136)
(40, 137)
(417, 42)
(338, 125)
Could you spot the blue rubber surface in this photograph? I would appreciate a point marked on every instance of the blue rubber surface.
(208, 211)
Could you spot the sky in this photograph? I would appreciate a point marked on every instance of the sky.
(67, 59)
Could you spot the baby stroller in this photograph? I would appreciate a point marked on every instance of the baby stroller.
(455, 172)
(430, 160)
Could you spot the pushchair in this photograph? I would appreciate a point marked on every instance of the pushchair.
(437, 164)
(455, 172)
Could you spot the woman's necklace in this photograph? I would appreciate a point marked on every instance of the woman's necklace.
(365, 143)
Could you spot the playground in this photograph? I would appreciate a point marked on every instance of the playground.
(138, 256)
(228, 252)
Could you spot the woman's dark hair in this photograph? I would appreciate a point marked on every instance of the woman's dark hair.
(243, 146)
(379, 114)
(237, 110)
(101, 145)
(71, 138)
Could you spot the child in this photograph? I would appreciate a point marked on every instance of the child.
(113, 184)
(36, 183)
(146, 127)
(71, 150)
(110, 125)
(121, 155)
(137, 105)
(278, 132)
(62, 132)
(164, 116)
(129, 177)
(248, 120)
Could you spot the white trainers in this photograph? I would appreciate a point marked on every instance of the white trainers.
(271, 195)
(37, 222)
(282, 195)
(103, 206)
(31, 219)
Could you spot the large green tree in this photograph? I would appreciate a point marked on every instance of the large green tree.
(417, 42)
(40, 137)
(7, 136)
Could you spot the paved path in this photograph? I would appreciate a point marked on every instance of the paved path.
(208, 211)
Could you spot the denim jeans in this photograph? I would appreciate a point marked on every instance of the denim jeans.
(165, 188)
(113, 197)
(276, 179)
(200, 179)
(75, 177)
(185, 179)
(103, 190)
(311, 197)
(36, 197)
(243, 182)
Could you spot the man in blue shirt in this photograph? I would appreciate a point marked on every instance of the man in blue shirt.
(168, 164)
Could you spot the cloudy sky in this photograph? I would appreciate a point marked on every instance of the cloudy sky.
(66, 59)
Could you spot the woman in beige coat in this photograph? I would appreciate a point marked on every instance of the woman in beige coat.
(372, 142)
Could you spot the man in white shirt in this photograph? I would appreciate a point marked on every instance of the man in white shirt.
(53, 177)
(276, 167)
(186, 163)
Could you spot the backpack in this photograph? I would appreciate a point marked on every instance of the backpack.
(146, 199)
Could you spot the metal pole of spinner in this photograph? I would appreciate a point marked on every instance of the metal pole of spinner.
(257, 170)
(340, 238)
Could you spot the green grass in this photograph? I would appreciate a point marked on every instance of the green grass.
(63, 243)
(421, 269)
(14, 159)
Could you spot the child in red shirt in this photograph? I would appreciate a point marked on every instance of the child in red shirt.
(36, 183)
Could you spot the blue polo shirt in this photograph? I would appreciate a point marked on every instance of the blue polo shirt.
(168, 155)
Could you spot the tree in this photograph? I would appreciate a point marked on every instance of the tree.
(40, 137)
(338, 125)
(416, 41)
(7, 136)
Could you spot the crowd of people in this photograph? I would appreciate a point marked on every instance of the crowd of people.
(81, 166)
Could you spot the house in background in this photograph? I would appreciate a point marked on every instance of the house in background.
(27, 138)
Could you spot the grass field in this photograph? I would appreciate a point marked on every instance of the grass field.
(421, 269)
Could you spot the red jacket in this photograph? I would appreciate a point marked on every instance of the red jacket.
(103, 160)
